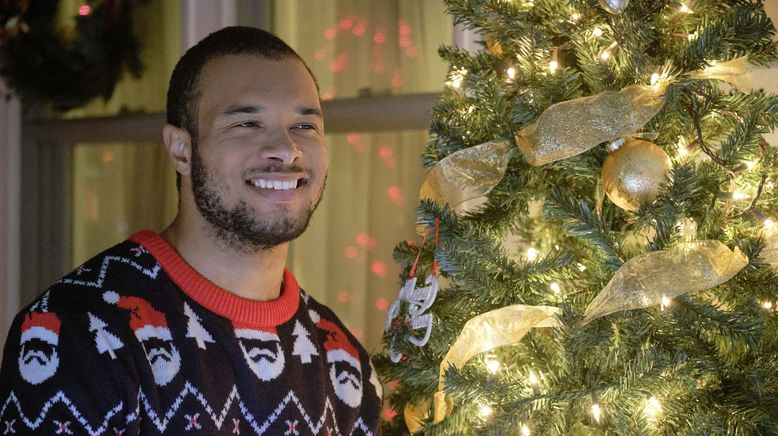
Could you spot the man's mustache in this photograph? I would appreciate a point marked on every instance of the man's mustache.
(160, 352)
(254, 353)
(40, 356)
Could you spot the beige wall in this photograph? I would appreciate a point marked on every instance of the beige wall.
(767, 77)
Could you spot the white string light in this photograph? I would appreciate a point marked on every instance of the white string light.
(596, 412)
(485, 411)
(685, 9)
(553, 66)
(456, 78)
(665, 302)
(581, 267)
(525, 430)
(555, 288)
(767, 305)
(768, 223)
(492, 364)
(532, 254)
(653, 407)
(511, 72)
(597, 32)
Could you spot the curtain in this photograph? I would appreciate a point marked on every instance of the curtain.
(361, 48)
(122, 187)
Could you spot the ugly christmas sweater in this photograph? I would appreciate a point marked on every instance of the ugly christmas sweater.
(136, 341)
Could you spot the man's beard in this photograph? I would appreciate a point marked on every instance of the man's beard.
(164, 364)
(265, 363)
(238, 227)
(36, 367)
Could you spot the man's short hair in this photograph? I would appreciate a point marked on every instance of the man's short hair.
(184, 88)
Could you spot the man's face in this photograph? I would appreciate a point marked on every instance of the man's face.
(38, 361)
(259, 161)
(164, 359)
(346, 380)
(265, 358)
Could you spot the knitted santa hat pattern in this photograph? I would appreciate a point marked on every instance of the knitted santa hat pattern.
(145, 321)
(337, 345)
(41, 325)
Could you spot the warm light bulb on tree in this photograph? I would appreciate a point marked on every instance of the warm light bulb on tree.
(682, 150)
(533, 379)
(456, 77)
(492, 364)
(605, 55)
(665, 302)
(685, 9)
(485, 411)
(768, 224)
(575, 16)
(553, 66)
(555, 288)
(751, 165)
(738, 195)
(767, 305)
(525, 430)
(596, 412)
(597, 32)
(581, 267)
(532, 254)
(511, 73)
(653, 407)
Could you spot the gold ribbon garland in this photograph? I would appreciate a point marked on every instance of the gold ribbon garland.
(646, 279)
(735, 72)
(496, 328)
(462, 178)
(574, 126)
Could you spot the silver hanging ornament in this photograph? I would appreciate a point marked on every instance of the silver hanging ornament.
(614, 6)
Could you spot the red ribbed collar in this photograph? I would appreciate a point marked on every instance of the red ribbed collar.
(216, 299)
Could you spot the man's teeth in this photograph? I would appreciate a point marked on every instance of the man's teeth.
(274, 184)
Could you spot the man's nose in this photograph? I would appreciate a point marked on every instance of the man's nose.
(281, 147)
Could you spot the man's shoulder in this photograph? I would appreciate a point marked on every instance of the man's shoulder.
(120, 268)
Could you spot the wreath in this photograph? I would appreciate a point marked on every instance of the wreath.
(66, 67)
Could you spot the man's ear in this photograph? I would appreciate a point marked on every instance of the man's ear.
(179, 147)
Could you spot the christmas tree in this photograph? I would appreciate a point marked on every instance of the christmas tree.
(598, 221)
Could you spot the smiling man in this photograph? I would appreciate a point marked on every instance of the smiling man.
(201, 327)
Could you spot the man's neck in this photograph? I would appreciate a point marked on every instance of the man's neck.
(255, 276)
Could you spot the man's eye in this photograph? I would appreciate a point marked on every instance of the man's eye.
(306, 126)
(248, 124)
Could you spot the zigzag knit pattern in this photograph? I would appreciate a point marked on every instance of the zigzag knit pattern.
(135, 341)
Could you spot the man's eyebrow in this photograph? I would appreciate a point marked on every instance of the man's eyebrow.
(237, 109)
(310, 111)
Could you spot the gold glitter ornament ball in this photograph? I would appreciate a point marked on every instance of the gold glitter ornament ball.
(614, 6)
(633, 173)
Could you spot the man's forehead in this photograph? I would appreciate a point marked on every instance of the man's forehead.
(239, 83)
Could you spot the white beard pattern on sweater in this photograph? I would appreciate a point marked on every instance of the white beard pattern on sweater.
(262, 351)
(38, 358)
